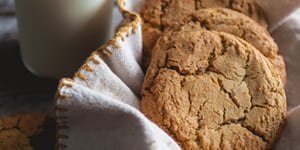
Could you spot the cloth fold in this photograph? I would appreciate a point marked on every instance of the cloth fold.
(99, 107)
(277, 11)
(95, 121)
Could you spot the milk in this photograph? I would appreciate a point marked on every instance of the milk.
(56, 36)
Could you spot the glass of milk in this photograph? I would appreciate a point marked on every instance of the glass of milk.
(56, 36)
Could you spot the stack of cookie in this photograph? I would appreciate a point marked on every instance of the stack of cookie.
(214, 77)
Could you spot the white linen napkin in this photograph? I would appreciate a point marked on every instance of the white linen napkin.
(99, 107)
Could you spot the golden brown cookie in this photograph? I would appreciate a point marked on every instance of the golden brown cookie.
(150, 36)
(158, 14)
(27, 131)
(226, 20)
(211, 90)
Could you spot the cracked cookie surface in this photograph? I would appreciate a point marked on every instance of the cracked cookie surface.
(223, 20)
(158, 14)
(19, 131)
(211, 90)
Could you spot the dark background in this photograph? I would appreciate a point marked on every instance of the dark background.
(19, 89)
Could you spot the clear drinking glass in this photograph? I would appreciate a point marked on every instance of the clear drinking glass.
(56, 36)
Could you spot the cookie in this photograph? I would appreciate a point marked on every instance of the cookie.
(226, 20)
(162, 12)
(150, 36)
(158, 14)
(212, 90)
(27, 131)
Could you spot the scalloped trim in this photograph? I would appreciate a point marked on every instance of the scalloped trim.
(103, 51)
(61, 120)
